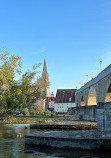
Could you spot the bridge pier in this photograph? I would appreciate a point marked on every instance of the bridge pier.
(104, 116)
(101, 113)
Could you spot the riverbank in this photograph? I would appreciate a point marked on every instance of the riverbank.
(35, 119)
(12, 145)
(69, 123)
(82, 140)
(66, 125)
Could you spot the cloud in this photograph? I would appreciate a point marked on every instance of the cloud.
(38, 51)
(42, 50)
(107, 56)
(108, 53)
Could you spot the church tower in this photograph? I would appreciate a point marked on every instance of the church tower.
(46, 77)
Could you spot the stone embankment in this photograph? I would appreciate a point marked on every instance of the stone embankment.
(51, 120)
(12, 119)
(66, 125)
(81, 139)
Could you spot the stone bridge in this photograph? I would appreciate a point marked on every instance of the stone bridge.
(95, 91)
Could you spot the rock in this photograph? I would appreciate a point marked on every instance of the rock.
(103, 136)
(78, 136)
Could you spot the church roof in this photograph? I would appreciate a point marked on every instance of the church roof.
(65, 96)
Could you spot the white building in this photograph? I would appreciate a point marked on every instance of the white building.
(50, 102)
(65, 98)
(51, 105)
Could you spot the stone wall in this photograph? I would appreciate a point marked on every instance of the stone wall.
(104, 116)
(100, 113)
(73, 111)
(88, 113)
(76, 139)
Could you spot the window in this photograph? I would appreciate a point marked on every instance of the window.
(70, 99)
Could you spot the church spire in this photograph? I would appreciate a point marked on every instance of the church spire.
(46, 77)
(45, 66)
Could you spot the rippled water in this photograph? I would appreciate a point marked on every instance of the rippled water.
(12, 146)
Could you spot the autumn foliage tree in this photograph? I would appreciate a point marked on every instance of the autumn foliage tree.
(18, 93)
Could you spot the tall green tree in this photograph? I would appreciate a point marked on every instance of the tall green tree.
(31, 87)
(10, 65)
(18, 93)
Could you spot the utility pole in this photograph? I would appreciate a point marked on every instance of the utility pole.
(100, 66)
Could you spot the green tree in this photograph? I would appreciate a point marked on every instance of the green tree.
(21, 93)
(31, 89)
(10, 65)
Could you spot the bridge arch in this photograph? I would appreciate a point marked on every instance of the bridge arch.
(108, 94)
(92, 99)
(82, 103)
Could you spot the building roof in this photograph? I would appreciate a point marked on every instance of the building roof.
(50, 98)
(52, 95)
(65, 96)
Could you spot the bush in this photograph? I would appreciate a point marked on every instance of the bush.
(47, 113)
(37, 110)
(26, 111)
(2, 109)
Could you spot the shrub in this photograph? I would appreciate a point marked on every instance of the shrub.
(37, 110)
(26, 111)
(48, 113)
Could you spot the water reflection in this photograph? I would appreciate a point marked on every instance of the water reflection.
(66, 153)
(11, 141)
(12, 146)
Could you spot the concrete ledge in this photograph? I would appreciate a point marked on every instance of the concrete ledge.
(83, 140)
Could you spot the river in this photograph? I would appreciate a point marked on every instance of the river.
(12, 146)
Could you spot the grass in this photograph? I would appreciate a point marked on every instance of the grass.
(31, 116)
(21, 119)
(36, 116)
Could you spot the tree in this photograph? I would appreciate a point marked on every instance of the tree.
(31, 89)
(10, 65)
(21, 93)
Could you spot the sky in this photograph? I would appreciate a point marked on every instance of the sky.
(73, 35)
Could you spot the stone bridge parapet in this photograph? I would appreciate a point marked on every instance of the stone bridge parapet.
(96, 90)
